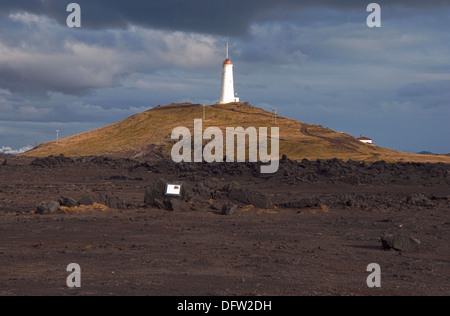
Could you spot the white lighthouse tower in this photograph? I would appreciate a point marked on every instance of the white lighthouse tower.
(227, 95)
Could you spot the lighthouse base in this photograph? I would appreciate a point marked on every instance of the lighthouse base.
(235, 100)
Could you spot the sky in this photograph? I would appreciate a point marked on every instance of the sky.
(315, 61)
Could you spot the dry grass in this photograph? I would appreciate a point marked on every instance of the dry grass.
(154, 127)
(96, 207)
(247, 208)
(324, 209)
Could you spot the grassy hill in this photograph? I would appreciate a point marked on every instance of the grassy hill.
(149, 134)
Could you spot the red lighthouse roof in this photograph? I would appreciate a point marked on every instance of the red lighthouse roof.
(227, 62)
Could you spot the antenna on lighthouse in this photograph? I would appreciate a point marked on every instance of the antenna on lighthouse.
(227, 48)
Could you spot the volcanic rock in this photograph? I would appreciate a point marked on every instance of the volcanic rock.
(246, 196)
(300, 203)
(52, 161)
(177, 205)
(47, 207)
(229, 209)
(67, 202)
(156, 196)
(86, 200)
(400, 242)
(155, 193)
(113, 202)
(216, 206)
(419, 200)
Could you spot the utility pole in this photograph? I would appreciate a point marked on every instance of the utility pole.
(274, 116)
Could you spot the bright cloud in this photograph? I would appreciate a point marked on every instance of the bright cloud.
(9, 151)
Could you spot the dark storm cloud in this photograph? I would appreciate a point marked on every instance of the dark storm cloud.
(38, 55)
(203, 16)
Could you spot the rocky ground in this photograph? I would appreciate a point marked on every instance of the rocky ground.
(310, 229)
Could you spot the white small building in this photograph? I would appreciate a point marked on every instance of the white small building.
(365, 140)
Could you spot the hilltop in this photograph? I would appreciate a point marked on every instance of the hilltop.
(148, 135)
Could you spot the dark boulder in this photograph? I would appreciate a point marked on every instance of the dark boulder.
(172, 205)
(229, 209)
(419, 200)
(156, 196)
(246, 196)
(113, 202)
(205, 190)
(47, 207)
(67, 202)
(86, 200)
(400, 242)
(156, 191)
(216, 206)
(158, 203)
(300, 203)
(177, 205)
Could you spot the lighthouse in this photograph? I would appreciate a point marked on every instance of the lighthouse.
(227, 95)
